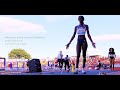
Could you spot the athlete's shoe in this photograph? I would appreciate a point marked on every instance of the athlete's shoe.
(68, 70)
(83, 71)
(76, 71)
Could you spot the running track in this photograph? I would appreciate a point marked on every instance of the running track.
(89, 72)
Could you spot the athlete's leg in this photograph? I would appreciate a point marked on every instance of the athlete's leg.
(78, 51)
(113, 63)
(84, 48)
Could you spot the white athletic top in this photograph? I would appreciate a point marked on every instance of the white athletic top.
(81, 30)
(111, 55)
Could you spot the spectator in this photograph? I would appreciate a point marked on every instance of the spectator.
(60, 60)
(111, 56)
(66, 60)
(99, 65)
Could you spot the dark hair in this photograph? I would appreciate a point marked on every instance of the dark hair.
(111, 49)
(81, 17)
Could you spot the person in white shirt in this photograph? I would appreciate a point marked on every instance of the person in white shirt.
(81, 30)
(60, 59)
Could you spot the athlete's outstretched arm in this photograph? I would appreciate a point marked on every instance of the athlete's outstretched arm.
(89, 36)
(108, 56)
(67, 46)
(115, 56)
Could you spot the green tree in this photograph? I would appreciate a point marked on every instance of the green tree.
(19, 54)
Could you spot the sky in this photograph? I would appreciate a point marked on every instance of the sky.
(45, 35)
